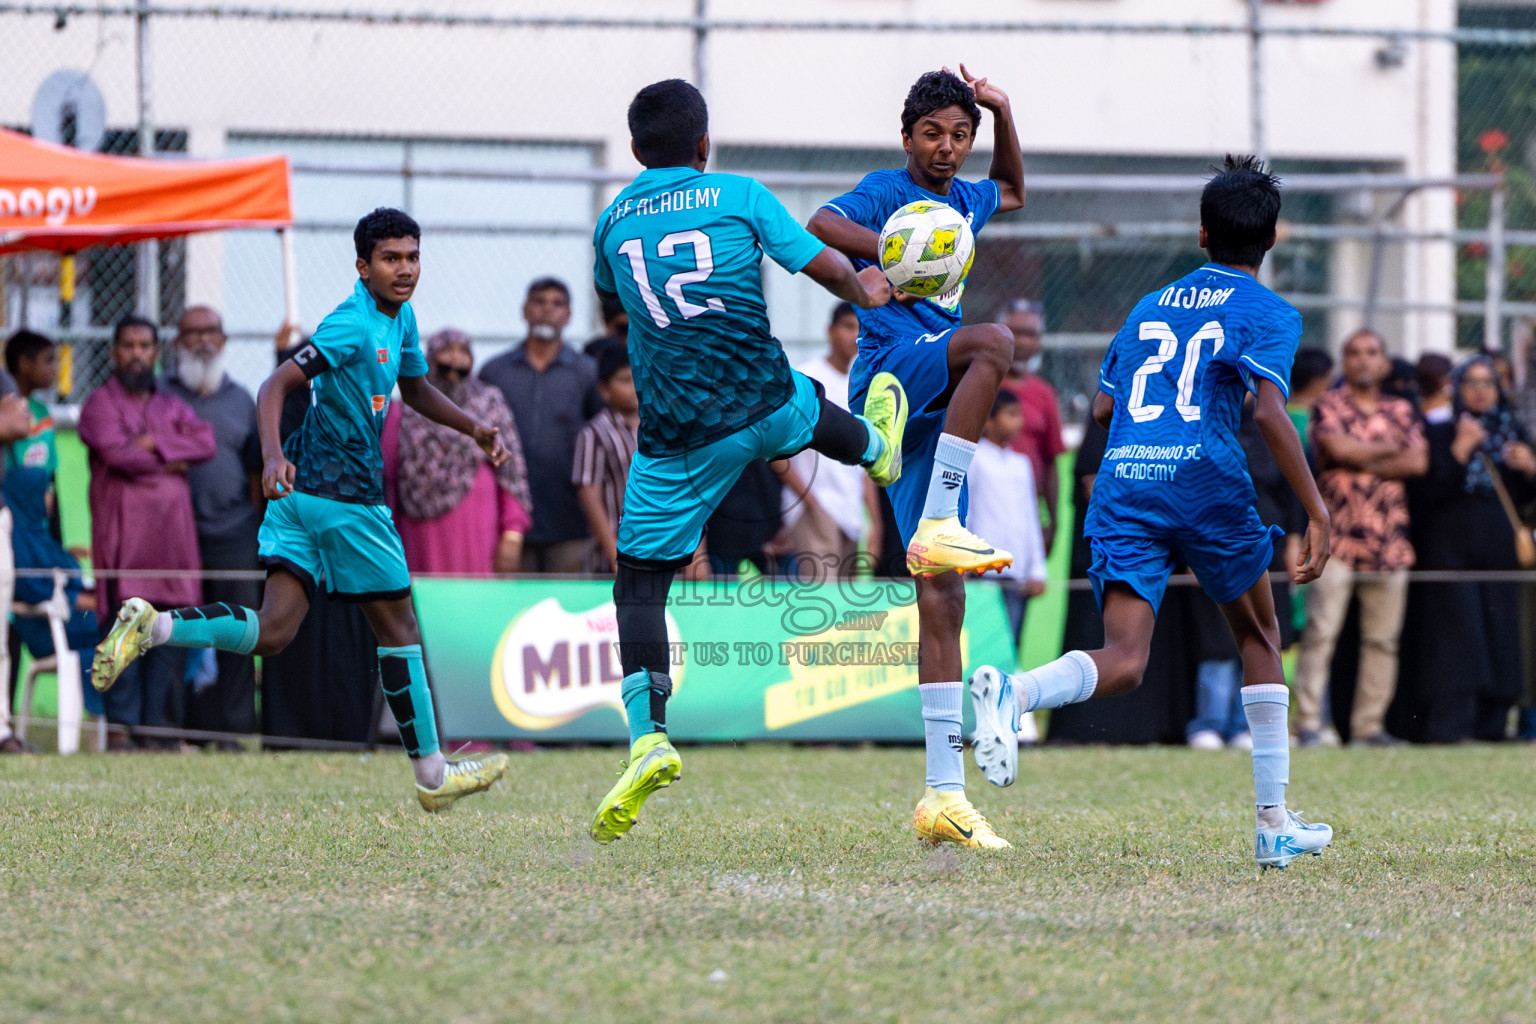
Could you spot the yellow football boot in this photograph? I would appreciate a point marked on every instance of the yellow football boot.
(886, 409)
(943, 545)
(462, 778)
(653, 764)
(950, 818)
(129, 639)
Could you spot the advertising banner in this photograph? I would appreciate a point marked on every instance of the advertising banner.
(834, 660)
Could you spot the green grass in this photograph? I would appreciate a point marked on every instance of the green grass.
(304, 887)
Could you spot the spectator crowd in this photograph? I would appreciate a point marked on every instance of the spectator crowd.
(1426, 467)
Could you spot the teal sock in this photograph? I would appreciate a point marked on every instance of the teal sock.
(876, 445)
(228, 627)
(404, 678)
(645, 701)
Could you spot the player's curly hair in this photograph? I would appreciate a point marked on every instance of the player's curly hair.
(382, 224)
(935, 91)
(666, 121)
(1239, 209)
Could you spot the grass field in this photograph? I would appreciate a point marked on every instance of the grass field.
(770, 884)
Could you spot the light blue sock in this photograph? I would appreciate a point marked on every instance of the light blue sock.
(404, 678)
(876, 445)
(228, 627)
(645, 697)
(951, 461)
(1070, 679)
(941, 733)
(1266, 706)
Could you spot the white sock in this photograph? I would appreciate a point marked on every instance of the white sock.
(160, 631)
(951, 461)
(941, 732)
(1266, 706)
(1070, 679)
(430, 769)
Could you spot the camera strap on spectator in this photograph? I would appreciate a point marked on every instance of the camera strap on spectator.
(1525, 544)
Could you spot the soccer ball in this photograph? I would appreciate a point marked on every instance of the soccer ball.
(926, 248)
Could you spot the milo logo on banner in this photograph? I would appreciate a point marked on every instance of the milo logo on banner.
(553, 666)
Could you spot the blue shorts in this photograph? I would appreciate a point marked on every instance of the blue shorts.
(922, 366)
(1226, 567)
(668, 499)
(353, 548)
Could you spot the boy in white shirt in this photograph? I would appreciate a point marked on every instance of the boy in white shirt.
(1004, 501)
(829, 507)
(1005, 507)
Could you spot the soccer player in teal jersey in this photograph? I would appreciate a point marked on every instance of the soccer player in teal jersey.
(951, 374)
(682, 250)
(326, 520)
(1174, 488)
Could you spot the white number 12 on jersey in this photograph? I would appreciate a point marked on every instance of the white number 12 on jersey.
(1167, 347)
(703, 266)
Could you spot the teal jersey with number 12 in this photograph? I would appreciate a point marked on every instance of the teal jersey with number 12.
(683, 251)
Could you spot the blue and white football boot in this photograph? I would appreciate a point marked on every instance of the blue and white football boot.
(996, 742)
(1277, 847)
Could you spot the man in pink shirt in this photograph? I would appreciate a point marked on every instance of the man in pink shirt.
(1040, 440)
(141, 439)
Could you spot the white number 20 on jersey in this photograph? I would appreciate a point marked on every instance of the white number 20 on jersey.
(1143, 411)
(703, 266)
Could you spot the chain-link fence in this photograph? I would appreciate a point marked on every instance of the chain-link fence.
(503, 133)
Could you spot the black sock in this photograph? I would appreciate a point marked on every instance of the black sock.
(640, 601)
(840, 435)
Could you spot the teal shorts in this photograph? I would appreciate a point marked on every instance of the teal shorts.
(353, 548)
(668, 499)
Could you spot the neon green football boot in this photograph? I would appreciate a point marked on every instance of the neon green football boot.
(653, 764)
(461, 779)
(129, 639)
(886, 409)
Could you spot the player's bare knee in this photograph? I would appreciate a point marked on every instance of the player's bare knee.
(1120, 669)
(398, 631)
(992, 349)
(275, 636)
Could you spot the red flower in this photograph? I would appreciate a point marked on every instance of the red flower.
(1493, 140)
(1476, 250)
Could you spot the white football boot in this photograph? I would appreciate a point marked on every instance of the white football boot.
(1277, 847)
(996, 742)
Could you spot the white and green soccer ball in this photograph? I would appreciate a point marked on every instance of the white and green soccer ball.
(926, 248)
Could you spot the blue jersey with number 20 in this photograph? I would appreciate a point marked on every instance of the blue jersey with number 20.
(683, 250)
(1178, 372)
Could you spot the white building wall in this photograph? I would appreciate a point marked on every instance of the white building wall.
(1073, 93)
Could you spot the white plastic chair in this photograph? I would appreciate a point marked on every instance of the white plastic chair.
(65, 666)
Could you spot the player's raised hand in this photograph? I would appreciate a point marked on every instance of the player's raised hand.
(876, 285)
(1314, 552)
(988, 96)
(277, 478)
(489, 440)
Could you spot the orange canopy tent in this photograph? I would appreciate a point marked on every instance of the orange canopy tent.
(53, 197)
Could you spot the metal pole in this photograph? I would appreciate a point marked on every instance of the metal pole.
(1379, 255)
(1256, 136)
(24, 267)
(290, 280)
(1256, 80)
(700, 45)
(1493, 302)
(148, 261)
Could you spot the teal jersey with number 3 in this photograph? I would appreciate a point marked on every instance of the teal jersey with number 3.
(683, 251)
